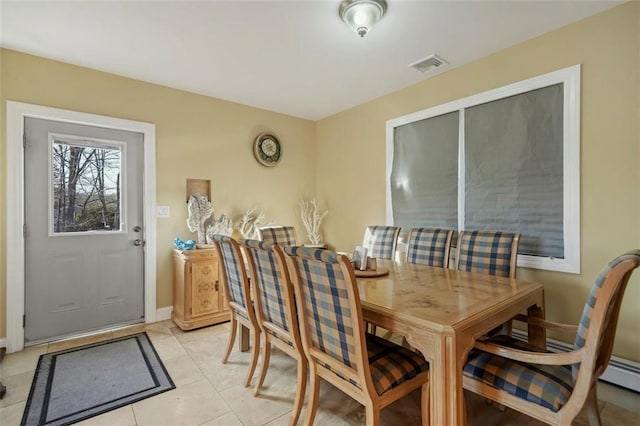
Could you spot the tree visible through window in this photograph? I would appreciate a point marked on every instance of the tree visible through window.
(86, 182)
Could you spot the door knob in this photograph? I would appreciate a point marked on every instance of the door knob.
(137, 228)
(138, 242)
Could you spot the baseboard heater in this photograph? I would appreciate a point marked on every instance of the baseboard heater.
(621, 372)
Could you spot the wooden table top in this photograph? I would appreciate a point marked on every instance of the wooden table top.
(439, 298)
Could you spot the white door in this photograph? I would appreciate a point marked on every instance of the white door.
(84, 248)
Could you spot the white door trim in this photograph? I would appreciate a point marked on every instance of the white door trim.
(16, 112)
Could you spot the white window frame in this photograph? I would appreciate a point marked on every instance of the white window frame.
(96, 143)
(570, 78)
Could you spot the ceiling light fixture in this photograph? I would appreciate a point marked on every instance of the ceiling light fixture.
(361, 15)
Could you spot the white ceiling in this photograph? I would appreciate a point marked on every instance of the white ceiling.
(293, 57)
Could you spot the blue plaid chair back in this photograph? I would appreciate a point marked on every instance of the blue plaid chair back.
(325, 299)
(487, 252)
(585, 319)
(232, 262)
(281, 235)
(429, 246)
(271, 282)
(380, 241)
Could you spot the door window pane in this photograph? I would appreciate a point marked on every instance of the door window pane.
(86, 186)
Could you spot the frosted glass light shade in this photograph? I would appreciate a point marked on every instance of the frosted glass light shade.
(361, 15)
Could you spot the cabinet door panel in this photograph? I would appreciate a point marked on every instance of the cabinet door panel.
(205, 297)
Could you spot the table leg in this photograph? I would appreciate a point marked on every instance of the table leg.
(243, 341)
(445, 379)
(537, 334)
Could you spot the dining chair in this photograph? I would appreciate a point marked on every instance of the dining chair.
(281, 235)
(276, 313)
(553, 387)
(373, 371)
(236, 284)
(381, 241)
(488, 252)
(429, 247)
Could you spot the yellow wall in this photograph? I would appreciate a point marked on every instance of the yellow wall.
(196, 137)
(351, 151)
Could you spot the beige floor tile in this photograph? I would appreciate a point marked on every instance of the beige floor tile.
(157, 331)
(218, 330)
(168, 323)
(207, 354)
(253, 411)
(11, 415)
(192, 404)
(18, 387)
(228, 419)
(335, 407)
(613, 415)
(621, 397)
(120, 417)
(183, 370)
(21, 362)
(480, 413)
(81, 341)
(168, 348)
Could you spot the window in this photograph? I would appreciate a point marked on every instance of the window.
(86, 185)
(506, 159)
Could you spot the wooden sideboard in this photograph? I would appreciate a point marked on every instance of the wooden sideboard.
(198, 294)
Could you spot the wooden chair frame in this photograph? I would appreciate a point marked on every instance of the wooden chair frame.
(513, 261)
(593, 357)
(247, 316)
(295, 351)
(361, 374)
(447, 247)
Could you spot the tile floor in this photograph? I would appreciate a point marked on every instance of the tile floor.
(210, 393)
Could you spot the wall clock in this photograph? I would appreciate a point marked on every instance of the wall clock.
(266, 149)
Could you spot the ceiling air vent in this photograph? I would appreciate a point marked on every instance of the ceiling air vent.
(429, 63)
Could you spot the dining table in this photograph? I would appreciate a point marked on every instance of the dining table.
(441, 312)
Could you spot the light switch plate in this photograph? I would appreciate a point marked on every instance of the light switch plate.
(162, 211)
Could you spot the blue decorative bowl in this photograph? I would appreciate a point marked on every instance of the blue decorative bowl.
(184, 245)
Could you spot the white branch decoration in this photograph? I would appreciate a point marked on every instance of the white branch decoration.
(250, 223)
(311, 219)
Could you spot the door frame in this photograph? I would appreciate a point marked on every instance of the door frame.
(15, 248)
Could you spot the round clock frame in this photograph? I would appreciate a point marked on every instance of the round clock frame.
(267, 149)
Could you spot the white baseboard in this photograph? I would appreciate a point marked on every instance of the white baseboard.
(3, 342)
(164, 313)
(621, 372)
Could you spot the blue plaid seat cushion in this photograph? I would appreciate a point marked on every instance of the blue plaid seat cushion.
(390, 364)
(547, 385)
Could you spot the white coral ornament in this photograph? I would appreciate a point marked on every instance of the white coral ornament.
(250, 223)
(200, 210)
(222, 226)
(311, 219)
